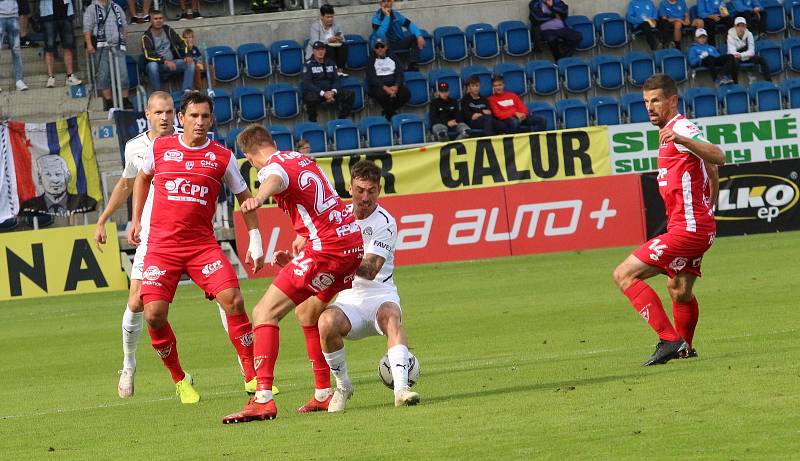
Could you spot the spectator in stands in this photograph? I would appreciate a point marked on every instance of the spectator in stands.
(303, 146)
(742, 46)
(385, 80)
(547, 21)
(328, 32)
(445, 118)
(105, 31)
(642, 16)
(24, 13)
(673, 16)
(9, 30)
(715, 16)
(751, 11)
(166, 53)
(197, 57)
(56, 17)
(475, 110)
(141, 17)
(320, 82)
(189, 13)
(703, 54)
(389, 24)
(511, 115)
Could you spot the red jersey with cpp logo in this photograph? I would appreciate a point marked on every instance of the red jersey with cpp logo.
(683, 183)
(186, 185)
(317, 212)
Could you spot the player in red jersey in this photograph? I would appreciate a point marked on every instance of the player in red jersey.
(326, 266)
(688, 182)
(187, 172)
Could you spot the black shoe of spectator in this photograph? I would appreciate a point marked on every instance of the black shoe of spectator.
(196, 15)
(25, 42)
(127, 104)
(186, 15)
(146, 18)
(107, 104)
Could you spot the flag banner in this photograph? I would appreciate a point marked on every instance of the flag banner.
(52, 167)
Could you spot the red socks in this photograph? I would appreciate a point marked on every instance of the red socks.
(648, 305)
(322, 373)
(685, 316)
(240, 332)
(266, 339)
(163, 341)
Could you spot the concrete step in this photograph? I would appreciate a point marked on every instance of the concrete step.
(40, 104)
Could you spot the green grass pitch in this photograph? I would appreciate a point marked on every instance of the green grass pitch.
(522, 358)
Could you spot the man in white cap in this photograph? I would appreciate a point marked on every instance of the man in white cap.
(742, 46)
(723, 68)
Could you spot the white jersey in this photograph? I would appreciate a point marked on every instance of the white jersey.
(135, 151)
(379, 231)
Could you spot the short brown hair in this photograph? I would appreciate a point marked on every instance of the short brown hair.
(497, 78)
(187, 32)
(252, 137)
(366, 169)
(661, 82)
(196, 97)
(473, 80)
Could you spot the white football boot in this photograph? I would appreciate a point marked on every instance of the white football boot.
(339, 400)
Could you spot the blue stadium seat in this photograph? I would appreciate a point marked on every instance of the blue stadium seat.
(223, 107)
(283, 100)
(313, 133)
(250, 102)
(225, 62)
(544, 110)
(701, 102)
(575, 74)
(428, 54)
(134, 75)
(772, 53)
(793, 13)
(639, 67)
(513, 77)
(765, 96)
(230, 142)
(409, 128)
(376, 131)
(9, 224)
(632, 106)
(791, 50)
(255, 60)
(604, 110)
(417, 85)
(515, 36)
(451, 42)
(357, 87)
(543, 76)
(343, 134)
(282, 136)
(177, 96)
(357, 51)
(446, 75)
(791, 92)
(572, 113)
(673, 63)
(483, 73)
(776, 16)
(733, 99)
(585, 27)
(483, 40)
(288, 56)
(612, 29)
(609, 73)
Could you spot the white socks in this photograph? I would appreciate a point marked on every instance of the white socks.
(337, 360)
(398, 360)
(131, 330)
(263, 396)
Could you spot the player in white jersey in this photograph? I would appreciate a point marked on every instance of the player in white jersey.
(372, 306)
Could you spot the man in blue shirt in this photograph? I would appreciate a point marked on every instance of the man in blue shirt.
(752, 12)
(388, 24)
(673, 16)
(641, 16)
(547, 22)
(716, 17)
(701, 54)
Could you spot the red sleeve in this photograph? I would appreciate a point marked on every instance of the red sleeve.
(520, 105)
(493, 104)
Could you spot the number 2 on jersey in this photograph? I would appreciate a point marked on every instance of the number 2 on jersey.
(324, 199)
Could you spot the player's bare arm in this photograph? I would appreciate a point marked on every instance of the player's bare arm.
(370, 266)
(140, 189)
(713, 180)
(255, 251)
(119, 195)
(283, 257)
(708, 152)
(273, 185)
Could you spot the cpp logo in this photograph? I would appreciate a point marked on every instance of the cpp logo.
(755, 196)
(182, 190)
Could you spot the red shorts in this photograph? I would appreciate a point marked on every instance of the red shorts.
(318, 274)
(207, 266)
(674, 253)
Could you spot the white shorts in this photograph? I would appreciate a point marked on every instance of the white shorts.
(138, 261)
(362, 312)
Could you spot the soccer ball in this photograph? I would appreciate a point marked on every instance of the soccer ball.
(385, 371)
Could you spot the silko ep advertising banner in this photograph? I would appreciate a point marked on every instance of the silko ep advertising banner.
(744, 138)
